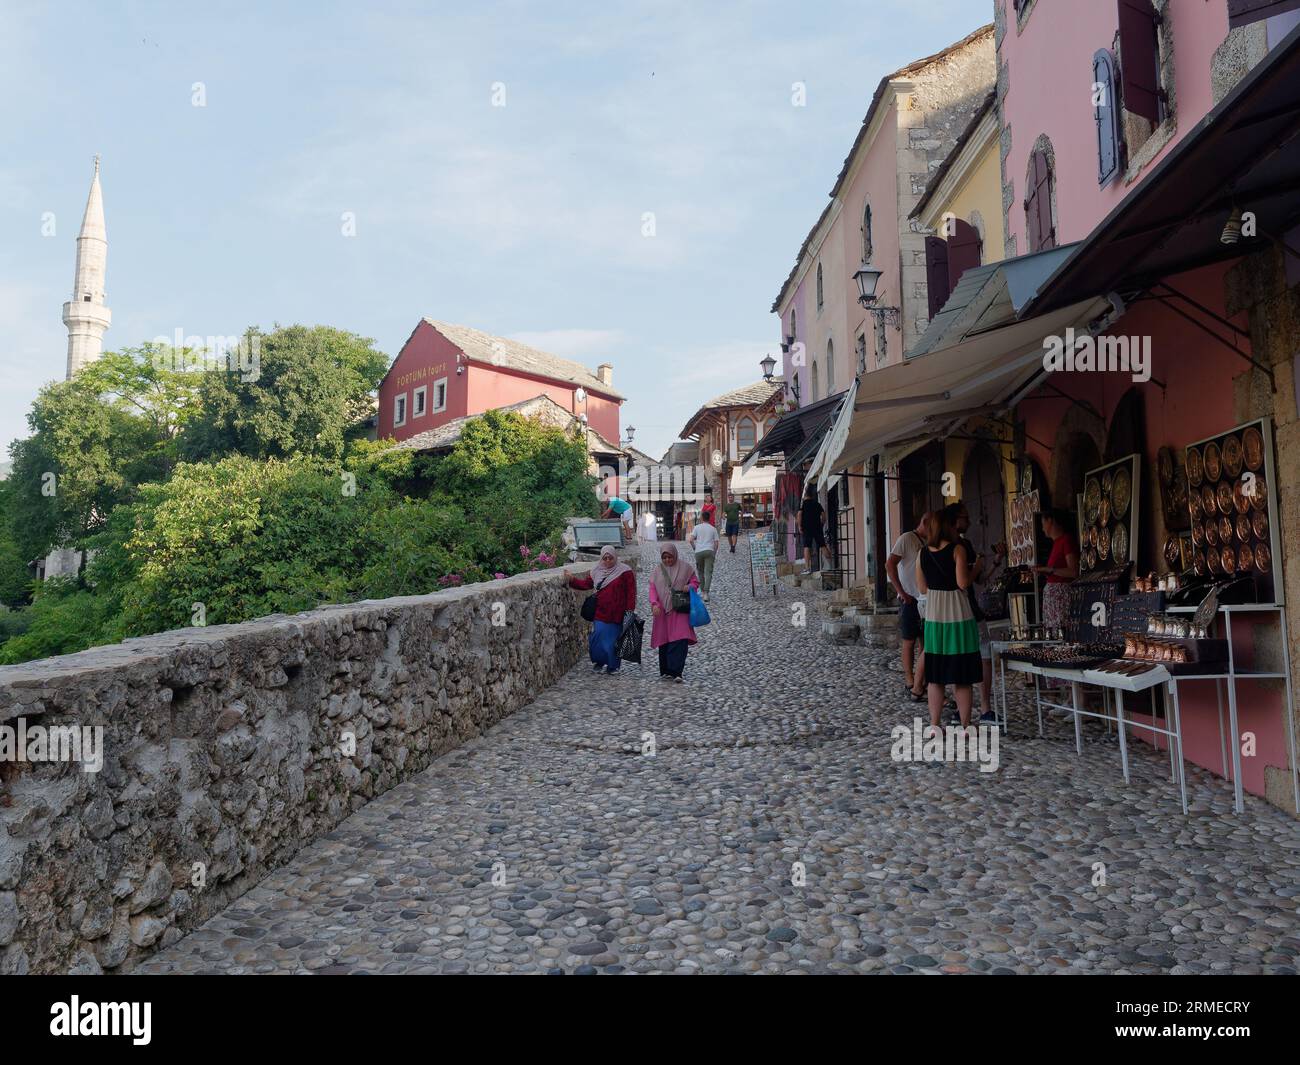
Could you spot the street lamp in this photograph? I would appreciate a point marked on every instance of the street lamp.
(868, 277)
(768, 366)
(631, 432)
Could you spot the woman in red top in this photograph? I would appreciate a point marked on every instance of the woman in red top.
(1062, 567)
(615, 585)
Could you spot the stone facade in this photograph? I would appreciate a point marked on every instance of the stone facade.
(227, 749)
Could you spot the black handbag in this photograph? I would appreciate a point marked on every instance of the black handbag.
(589, 604)
(681, 601)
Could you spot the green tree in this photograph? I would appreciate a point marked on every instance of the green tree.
(308, 387)
(15, 581)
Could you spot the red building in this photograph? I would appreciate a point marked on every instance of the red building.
(449, 371)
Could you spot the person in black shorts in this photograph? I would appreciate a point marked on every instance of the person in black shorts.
(811, 515)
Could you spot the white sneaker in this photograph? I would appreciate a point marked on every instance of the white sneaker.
(705, 597)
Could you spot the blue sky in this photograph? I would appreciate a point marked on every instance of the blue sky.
(523, 220)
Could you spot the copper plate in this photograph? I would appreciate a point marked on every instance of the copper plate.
(1198, 563)
(1103, 517)
(1194, 504)
(1260, 499)
(1229, 560)
(1245, 558)
(1091, 500)
(1213, 462)
(1259, 523)
(1119, 543)
(1239, 499)
(1107, 479)
(1263, 557)
(1252, 443)
(1224, 495)
(1194, 467)
(1121, 491)
(1207, 500)
(1092, 558)
(1171, 549)
(1198, 533)
(1212, 562)
(1232, 457)
(1103, 542)
(1212, 532)
(1165, 464)
(1243, 528)
(1225, 530)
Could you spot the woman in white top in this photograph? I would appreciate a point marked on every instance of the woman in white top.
(704, 538)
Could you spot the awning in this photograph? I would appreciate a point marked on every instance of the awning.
(793, 428)
(758, 479)
(1244, 153)
(834, 443)
(927, 397)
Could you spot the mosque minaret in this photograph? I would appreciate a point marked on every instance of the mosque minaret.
(86, 315)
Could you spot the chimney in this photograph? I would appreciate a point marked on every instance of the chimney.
(605, 372)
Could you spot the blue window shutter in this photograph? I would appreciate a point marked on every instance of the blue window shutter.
(1106, 114)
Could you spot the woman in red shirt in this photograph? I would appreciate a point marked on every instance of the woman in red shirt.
(1062, 567)
(615, 585)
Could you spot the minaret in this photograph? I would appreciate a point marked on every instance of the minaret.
(85, 314)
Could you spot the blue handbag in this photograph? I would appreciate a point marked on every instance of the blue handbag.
(699, 612)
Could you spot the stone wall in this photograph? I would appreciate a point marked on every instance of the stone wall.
(227, 749)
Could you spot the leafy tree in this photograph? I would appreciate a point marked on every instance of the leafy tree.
(308, 387)
(62, 619)
(15, 581)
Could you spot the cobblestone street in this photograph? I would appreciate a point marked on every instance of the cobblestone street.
(775, 751)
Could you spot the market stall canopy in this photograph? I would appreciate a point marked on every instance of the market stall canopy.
(758, 479)
(833, 445)
(1243, 154)
(927, 397)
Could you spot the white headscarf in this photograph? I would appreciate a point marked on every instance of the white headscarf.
(609, 568)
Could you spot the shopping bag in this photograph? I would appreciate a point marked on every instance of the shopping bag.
(699, 612)
(629, 640)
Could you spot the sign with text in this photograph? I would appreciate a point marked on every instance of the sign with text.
(762, 561)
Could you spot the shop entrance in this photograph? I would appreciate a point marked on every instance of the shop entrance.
(984, 496)
(920, 483)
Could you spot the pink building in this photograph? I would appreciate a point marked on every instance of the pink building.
(445, 372)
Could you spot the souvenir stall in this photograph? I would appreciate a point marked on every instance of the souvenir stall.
(1213, 615)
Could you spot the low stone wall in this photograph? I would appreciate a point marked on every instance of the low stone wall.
(227, 749)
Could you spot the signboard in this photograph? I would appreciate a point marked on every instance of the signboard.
(762, 561)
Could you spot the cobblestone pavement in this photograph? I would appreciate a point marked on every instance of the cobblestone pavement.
(775, 751)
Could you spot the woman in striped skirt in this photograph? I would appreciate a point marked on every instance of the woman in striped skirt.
(952, 638)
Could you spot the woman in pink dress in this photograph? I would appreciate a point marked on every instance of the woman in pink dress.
(671, 631)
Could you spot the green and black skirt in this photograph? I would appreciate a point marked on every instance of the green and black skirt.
(952, 639)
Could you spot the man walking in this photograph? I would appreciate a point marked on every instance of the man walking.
(704, 539)
(732, 511)
(901, 567)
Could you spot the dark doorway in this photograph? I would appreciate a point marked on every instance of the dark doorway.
(984, 496)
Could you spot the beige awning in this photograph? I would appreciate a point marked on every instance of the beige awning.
(757, 479)
(929, 396)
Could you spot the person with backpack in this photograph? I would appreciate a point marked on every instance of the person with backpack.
(614, 595)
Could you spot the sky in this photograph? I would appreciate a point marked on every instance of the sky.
(527, 220)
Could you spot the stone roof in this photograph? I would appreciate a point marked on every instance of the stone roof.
(492, 350)
(682, 453)
(541, 409)
(746, 396)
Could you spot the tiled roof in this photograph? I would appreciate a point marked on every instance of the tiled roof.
(682, 453)
(540, 409)
(745, 396)
(501, 351)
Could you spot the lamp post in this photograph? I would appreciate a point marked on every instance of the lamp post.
(868, 277)
(768, 366)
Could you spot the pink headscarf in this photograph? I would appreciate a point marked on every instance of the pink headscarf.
(609, 568)
(669, 578)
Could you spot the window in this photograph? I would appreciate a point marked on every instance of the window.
(399, 410)
(866, 233)
(830, 367)
(936, 274)
(793, 323)
(1039, 220)
(745, 435)
(420, 398)
(819, 286)
(1139, 50)
(439, 395)
(964, 251)
(814, 380)
(1105, 112)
